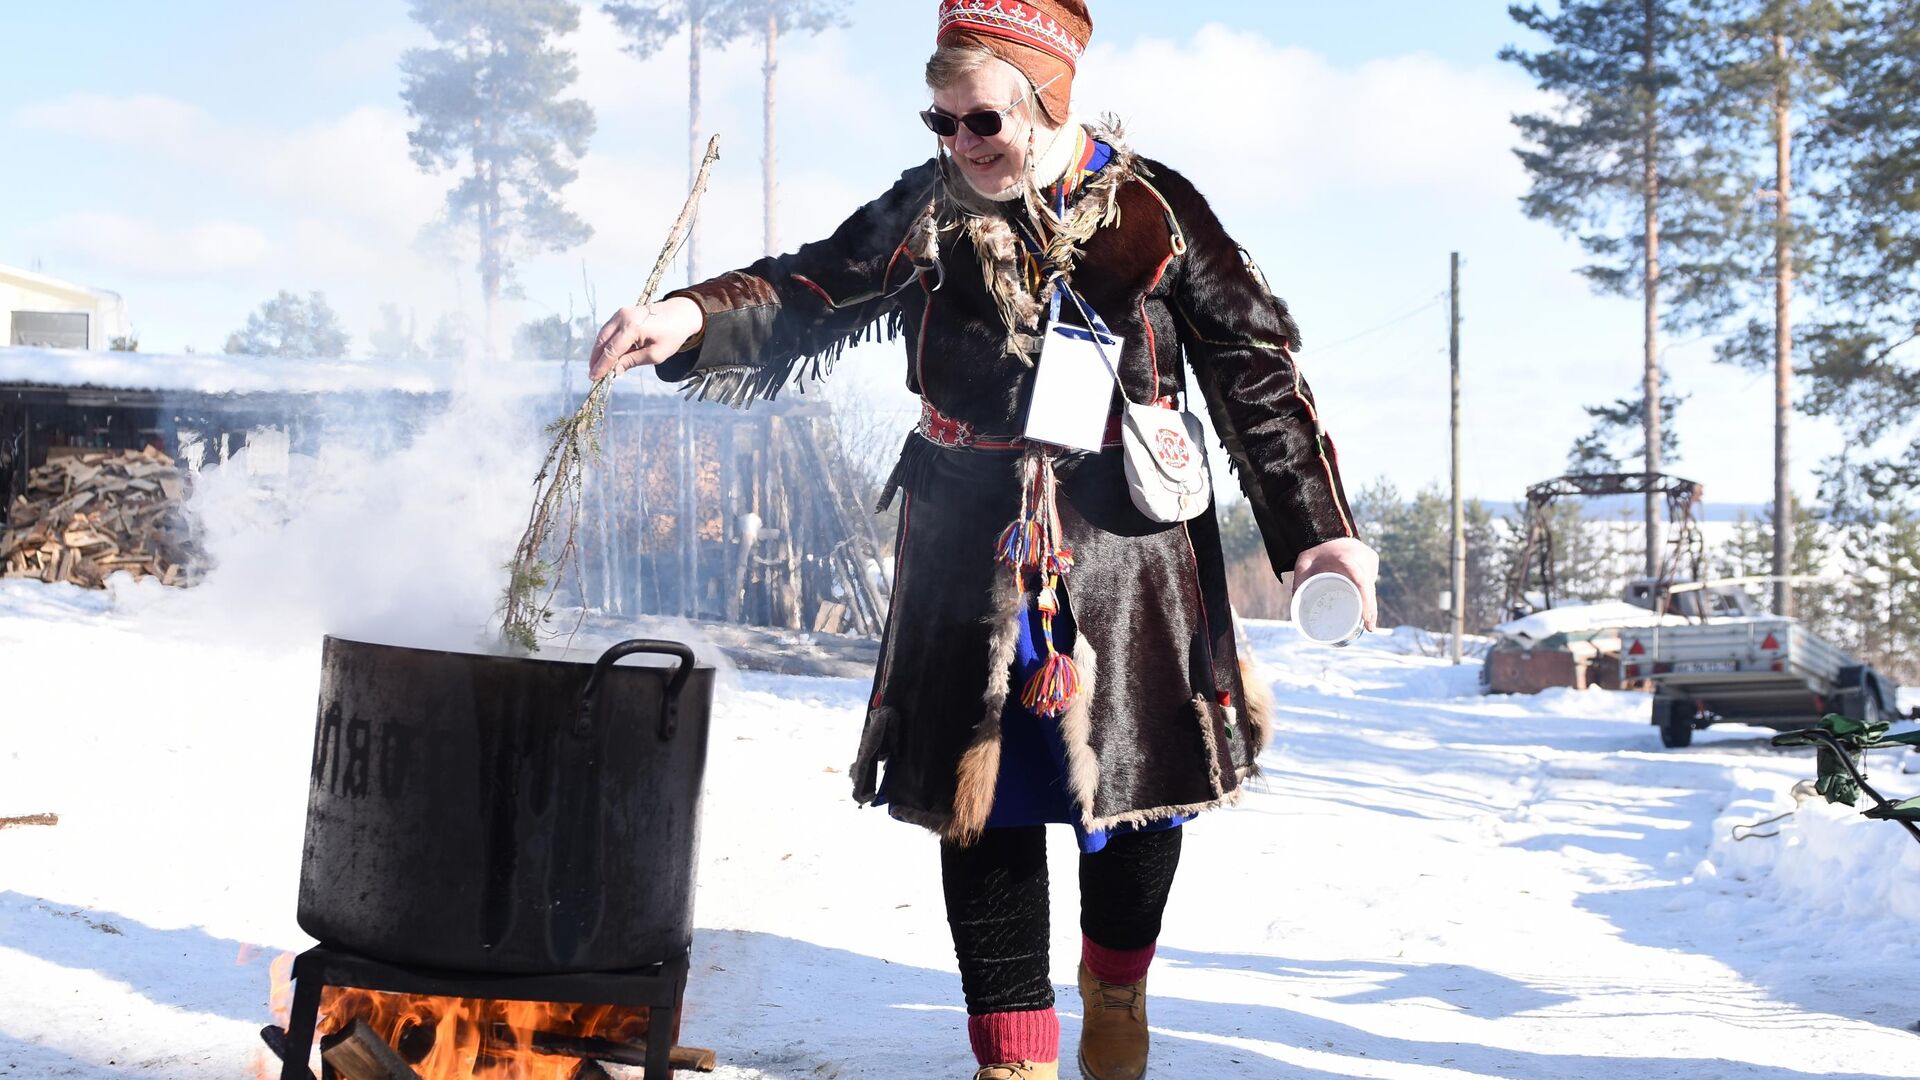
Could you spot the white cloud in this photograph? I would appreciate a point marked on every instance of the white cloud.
(1283, 124)
(373, 55)
(116, 241)
(336, 205)
(147, 120)
(357, 165)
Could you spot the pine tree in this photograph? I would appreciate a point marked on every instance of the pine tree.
(487, 100)
(1618, 164)
(1488, 544)
(1600, 449)
(708, 24)
(1870, 605)
(394, 338)
(451, 339)
(1413, 537)
(556, 337)
(288, 326)
(1585, 562)
(1864, 366)
(1749, 552)
(785, 17)
(1766, 83)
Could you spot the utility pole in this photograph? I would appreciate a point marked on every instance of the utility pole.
(1782, 329)
(1459, 579)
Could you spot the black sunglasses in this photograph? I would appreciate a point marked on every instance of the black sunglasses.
(986, 123)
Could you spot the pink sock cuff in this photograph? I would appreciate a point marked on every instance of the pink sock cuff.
(1029, 1035)
(1115, 965)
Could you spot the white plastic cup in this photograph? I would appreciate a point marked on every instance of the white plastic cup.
(1327, 609)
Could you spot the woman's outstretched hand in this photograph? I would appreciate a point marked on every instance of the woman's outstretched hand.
(642, 336)
(1348, 556)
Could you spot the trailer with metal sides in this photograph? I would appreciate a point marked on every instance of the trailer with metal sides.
(1765, 670)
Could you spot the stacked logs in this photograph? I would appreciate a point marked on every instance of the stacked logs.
(86, 515)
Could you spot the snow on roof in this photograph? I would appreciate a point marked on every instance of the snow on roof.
(1584, 618)
(47, 283)
(219, 374)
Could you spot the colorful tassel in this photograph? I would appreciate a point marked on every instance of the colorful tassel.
(1052, 689)
(1019, 544)
(1034, 542)
(1059, 564)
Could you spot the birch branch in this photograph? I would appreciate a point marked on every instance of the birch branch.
(576, 442)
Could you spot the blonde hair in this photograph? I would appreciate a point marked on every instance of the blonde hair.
(951, 63)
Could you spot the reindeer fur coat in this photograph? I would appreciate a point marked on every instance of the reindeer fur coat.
(1167, 721)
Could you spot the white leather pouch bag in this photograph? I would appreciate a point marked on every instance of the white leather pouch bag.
(1166, 462)
(1164, 449)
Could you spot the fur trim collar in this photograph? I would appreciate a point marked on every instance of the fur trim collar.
(991, 228)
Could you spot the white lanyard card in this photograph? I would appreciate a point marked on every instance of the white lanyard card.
(1073, 388)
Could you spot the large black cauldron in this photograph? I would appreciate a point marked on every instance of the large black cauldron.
(501, 814)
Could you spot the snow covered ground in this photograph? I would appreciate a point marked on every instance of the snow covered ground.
(1432, 884)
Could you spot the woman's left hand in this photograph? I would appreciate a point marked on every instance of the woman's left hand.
(1346, 555)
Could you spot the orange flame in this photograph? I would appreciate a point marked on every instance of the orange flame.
(463, 1038)
(469, 1039)
(279, 1003)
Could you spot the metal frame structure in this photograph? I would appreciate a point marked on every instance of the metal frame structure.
(1686, 548)
(660, 988)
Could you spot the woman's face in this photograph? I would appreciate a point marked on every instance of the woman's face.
(993, 165)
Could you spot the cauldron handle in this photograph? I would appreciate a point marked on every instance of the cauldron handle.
(670, 709)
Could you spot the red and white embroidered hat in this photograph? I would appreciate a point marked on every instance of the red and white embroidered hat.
(1043, 38)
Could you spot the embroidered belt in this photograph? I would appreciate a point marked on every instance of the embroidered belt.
(942, 430)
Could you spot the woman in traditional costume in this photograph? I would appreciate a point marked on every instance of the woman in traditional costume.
(1053, 652)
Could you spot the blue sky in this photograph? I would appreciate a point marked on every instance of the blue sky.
(197, 156)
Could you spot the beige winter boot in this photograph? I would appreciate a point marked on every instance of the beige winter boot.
(1020, 1070)
(1113, 1035)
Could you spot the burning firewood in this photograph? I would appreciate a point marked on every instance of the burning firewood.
(591, 1048)
(357, 1053)
(576, 441)
(85, 515)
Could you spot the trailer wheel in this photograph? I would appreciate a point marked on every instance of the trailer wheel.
(1676, 722)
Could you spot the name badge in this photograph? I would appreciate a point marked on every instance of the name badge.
(1073, 388)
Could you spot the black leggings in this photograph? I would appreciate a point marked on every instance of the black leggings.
(997, 907)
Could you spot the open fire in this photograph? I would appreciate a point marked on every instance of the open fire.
(498, 866)
(449, 1038)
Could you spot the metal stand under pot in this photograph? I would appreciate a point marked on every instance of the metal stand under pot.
(660, 988)
(505, 829)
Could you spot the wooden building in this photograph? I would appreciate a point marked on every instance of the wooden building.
(695, 510)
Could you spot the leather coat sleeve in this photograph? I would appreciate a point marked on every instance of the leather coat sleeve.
(786, 318)
(1239, 340)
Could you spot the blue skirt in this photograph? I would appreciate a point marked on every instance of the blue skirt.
(1032, 786)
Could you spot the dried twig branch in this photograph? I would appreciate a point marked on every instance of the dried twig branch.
(576, 441)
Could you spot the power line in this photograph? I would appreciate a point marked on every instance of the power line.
(1436, 301)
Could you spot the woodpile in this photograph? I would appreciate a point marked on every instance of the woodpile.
(86, 514)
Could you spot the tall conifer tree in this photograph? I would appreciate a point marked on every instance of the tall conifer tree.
(650, 24)
(1615, 164)
(487, 99)
(1765, 85)
(1863, 347)
(785, 17)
